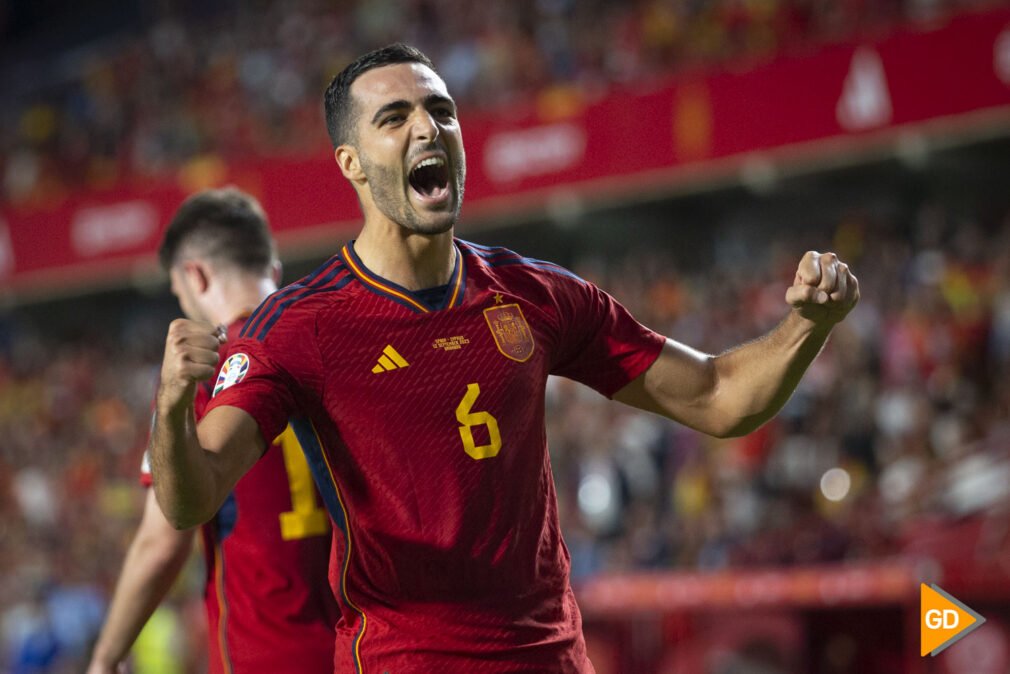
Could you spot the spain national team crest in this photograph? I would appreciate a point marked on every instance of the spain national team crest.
(511, 332)
(232, 372)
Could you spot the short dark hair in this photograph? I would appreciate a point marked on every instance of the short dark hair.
(225, 225)
(337, 100)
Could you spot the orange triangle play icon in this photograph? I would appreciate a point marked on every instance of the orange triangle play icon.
(943, 620)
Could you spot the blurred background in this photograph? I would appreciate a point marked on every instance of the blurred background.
(683, 154)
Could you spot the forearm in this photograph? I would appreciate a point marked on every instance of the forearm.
(186, 478)
(149, 570)
(754, 381)
(737, 391)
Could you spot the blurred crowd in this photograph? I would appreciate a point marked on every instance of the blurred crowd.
(192, 86)
(903, 417)
(74, 417)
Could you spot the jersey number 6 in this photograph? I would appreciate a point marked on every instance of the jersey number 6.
(468, 419)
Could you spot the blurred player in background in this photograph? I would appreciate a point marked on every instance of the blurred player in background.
(418, 365)
(268, 601)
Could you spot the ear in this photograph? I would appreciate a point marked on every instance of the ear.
(349, 163)
(197, 275)
(275, 272)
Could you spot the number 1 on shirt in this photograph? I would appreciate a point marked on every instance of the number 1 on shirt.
(305, 518)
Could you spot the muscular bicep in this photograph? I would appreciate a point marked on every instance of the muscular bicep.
(680, 384)
(233, 439)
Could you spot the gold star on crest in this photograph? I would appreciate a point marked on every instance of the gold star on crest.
(497, 298)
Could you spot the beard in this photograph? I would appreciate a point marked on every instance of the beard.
(387, 187)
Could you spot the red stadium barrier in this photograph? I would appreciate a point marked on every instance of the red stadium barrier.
(893, 582)
(632, 140)
(864, 615)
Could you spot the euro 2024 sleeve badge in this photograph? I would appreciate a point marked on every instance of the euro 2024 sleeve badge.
(511, 332)
(232, 372)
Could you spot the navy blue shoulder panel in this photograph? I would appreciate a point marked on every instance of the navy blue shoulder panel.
(333, 275)
(497, 256)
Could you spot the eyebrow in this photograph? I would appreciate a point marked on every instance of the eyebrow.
(429, 100)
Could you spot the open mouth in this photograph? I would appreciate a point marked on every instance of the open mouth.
(430, 179)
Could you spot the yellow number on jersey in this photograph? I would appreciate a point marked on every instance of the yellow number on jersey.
(468, 420)
(305, 518)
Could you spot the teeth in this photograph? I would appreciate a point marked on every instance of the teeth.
(430, 161)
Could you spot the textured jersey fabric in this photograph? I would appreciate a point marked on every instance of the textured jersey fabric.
(424, 425)
(269, 604)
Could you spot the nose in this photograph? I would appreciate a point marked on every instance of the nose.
(425, 128)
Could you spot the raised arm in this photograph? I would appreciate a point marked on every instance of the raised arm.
(737, 391)
(152, 564)
(194, 472)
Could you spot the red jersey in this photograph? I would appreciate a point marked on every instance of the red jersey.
(270, 609)
(425, 428)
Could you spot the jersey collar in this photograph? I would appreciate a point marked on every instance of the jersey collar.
(399, 294)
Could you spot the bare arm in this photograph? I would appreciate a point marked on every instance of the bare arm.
(194, 471)
(736, 392)
(152, 564)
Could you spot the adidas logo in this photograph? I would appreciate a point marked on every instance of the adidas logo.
(389, 360)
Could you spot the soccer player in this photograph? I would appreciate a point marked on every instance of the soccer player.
(417, 365)
(267, 595)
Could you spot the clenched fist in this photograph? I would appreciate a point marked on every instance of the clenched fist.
(191, 356)
(824, 290)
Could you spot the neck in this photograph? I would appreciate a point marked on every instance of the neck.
(412, 260)
(238, 296)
